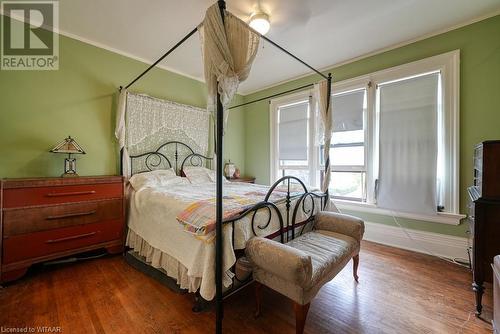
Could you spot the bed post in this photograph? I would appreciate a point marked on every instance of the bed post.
(219, 311)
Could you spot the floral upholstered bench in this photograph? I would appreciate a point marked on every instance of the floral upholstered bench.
(299, 268)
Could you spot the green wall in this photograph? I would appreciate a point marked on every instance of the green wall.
(40, 108)
(479, 45)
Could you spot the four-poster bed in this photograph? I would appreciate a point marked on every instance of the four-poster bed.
(229, 47)
(160, 214)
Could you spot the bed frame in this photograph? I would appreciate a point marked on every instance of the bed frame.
(177, 155)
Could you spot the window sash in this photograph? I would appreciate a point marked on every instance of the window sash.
(363, 167)
(362, 198)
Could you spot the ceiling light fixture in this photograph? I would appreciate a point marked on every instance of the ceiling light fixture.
(259, 21)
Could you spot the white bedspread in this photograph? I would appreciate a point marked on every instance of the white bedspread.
(152, 216)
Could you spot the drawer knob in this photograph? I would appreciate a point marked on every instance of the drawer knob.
(53, 241)
(75, 193)
(71, 215)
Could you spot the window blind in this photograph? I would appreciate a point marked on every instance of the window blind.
(408, 144)
(292, 132)
(348, 111)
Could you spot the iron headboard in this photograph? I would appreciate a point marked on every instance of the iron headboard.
(172, 154)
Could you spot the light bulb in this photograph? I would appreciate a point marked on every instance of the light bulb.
(260, 23)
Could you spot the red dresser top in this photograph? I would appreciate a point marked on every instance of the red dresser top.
(59, 181)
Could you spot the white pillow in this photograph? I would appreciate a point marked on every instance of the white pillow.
(196, 174)
(156, 178)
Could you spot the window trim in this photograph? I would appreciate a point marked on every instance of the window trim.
(342, 87)
(441, 217)
(449, 66)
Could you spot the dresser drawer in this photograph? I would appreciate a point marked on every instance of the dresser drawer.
(35, 219)
(30, 246)
(19, 197)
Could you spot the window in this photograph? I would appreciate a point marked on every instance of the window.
(347, 149)
(394, 144)
(293, 139)
(408, 112)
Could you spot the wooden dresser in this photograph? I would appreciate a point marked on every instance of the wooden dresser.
(484, 215)
(46, 218)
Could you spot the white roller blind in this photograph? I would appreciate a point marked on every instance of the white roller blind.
(293, 132)
(408, 144)
(348, 111)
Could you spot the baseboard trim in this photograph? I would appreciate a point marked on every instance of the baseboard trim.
(447, 246)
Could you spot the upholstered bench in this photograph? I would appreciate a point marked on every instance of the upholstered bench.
(299, 268)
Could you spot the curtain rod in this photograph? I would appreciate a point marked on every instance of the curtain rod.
(289, 53)
(271, 96)
(162, 57)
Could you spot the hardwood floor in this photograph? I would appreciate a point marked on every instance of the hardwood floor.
(398, 292)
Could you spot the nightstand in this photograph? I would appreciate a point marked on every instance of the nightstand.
(47, 218)
(243, 179)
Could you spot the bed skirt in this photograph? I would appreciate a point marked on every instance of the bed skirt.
(160, 260)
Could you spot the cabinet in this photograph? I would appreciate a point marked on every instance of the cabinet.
(46, 218)
(484, 215)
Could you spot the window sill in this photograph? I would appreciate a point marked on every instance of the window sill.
(440, 217)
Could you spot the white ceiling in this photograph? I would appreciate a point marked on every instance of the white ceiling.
(322, 32)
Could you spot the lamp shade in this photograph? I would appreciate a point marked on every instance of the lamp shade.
(68, 146)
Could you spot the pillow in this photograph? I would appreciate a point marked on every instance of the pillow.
(156, 178)
(196, 174)
(213, 177)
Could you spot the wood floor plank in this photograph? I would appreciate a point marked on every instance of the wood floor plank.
(399, 292)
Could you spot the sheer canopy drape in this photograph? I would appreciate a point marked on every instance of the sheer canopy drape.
(121, 133)
(324, 104)
(229, 49)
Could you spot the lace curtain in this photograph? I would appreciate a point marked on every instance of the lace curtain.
(144, 123)
(228, 49)
(324, 103)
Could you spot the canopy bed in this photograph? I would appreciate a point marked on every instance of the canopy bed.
(181, 238)
(171, 223)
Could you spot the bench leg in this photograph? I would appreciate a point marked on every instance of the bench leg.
(258, 298)
(355, 264)
(300, 316)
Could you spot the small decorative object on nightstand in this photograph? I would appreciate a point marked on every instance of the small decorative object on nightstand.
(68, 146)
(47, 218)
(242, 179)
(237, 173)
(229, 169)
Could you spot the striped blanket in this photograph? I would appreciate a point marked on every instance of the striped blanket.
(199, 217)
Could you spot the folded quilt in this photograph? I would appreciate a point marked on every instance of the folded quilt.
(199, 217)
